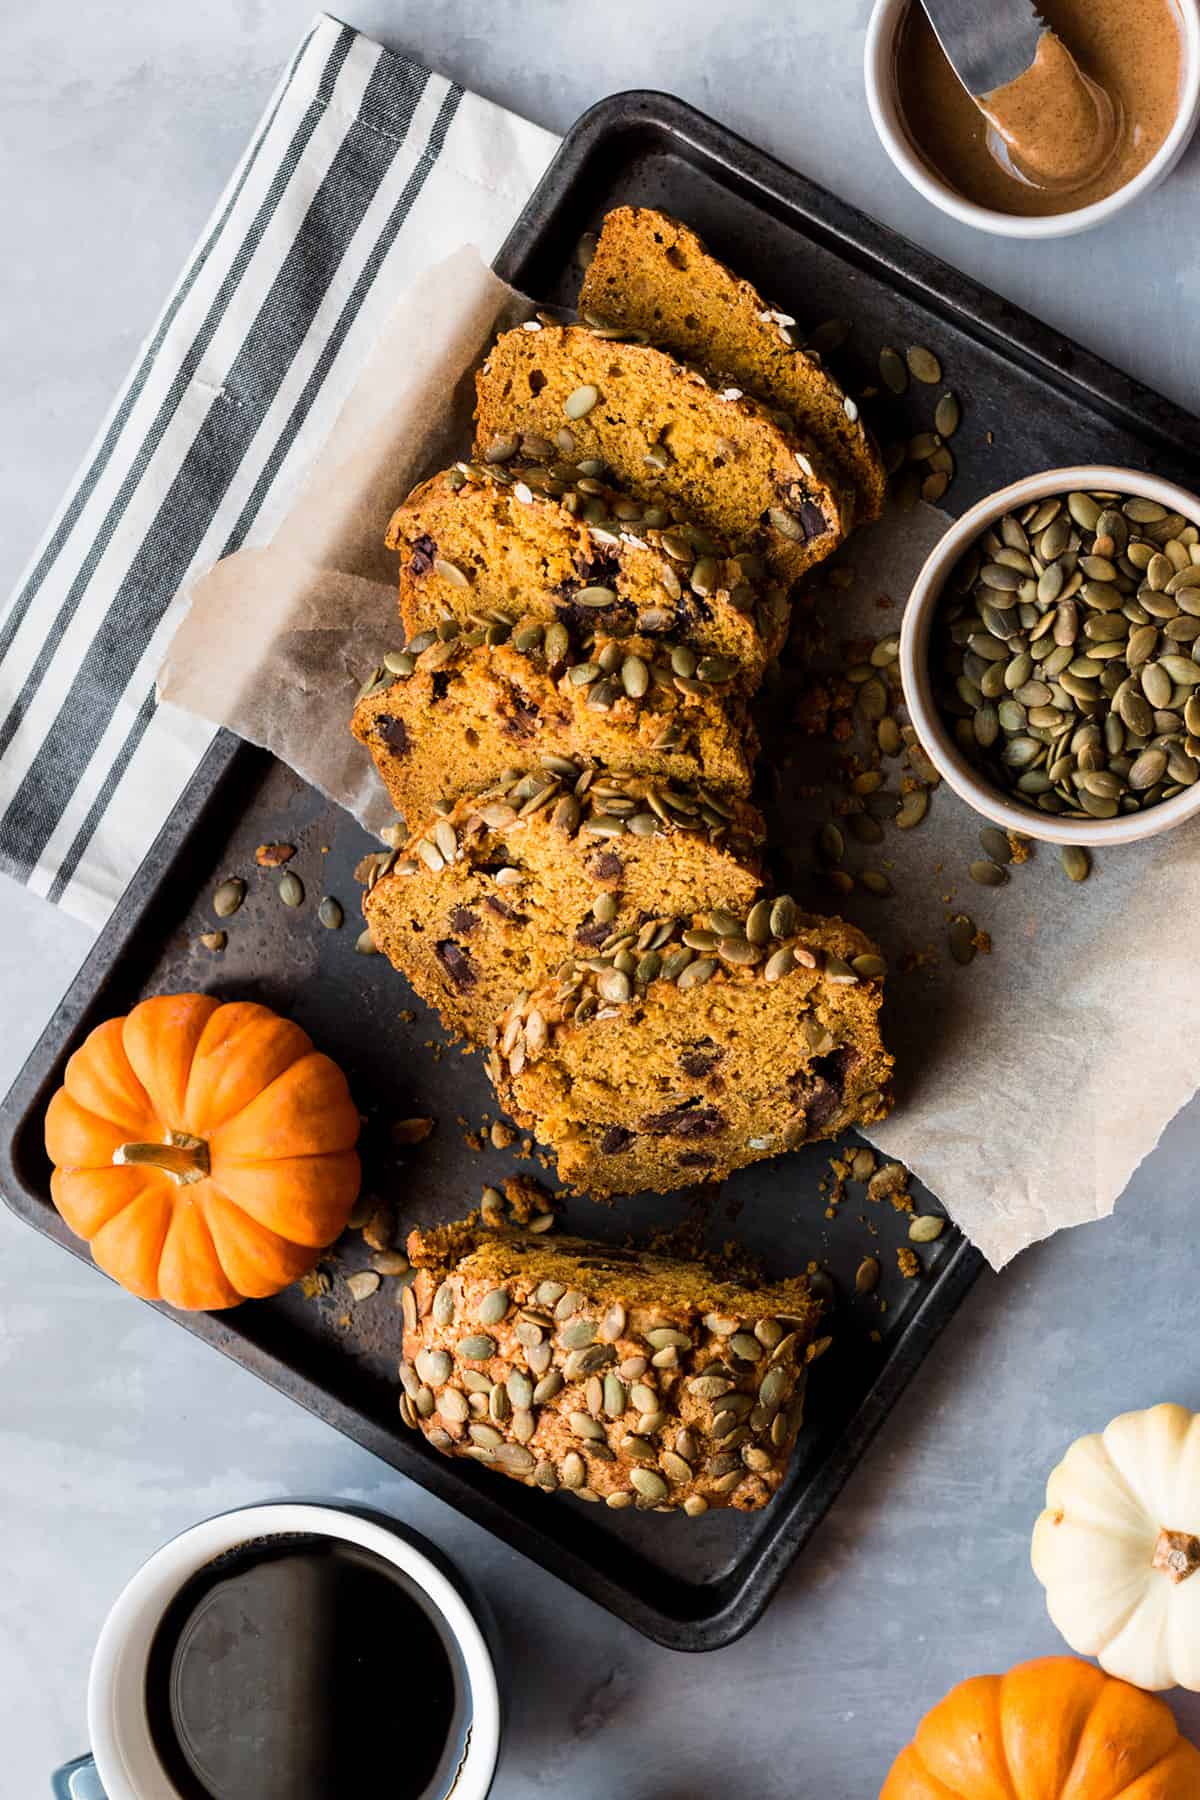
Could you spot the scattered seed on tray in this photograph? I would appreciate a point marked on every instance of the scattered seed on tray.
(926, 1227)
(923, 365)
(893, 371)
(291, 890)
(215, 941)
(363, 1284)
(228, 897)
(411, 1131)
(866, 1278)
(330, 913)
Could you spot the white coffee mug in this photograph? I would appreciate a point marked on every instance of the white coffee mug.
(125, 1765)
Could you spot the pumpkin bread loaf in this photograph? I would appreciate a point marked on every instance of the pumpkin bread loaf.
(620, 1376)
(680, 1054)
(655, 275)
(665, 432)
(482, 901)
(487, 545)
(459, 712)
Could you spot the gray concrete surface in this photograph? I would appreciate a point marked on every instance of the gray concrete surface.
(120, 125)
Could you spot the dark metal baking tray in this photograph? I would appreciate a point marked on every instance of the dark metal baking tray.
(1035, 400)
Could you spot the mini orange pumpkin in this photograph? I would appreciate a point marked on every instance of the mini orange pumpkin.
(205, 1151)
(1053, 1729)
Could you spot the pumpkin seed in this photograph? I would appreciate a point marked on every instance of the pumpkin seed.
(649, 1485)
(866, 1278)
(893, 371)
(996, 843)
(579, 404)
(1076, 862)
(925, 1228)
(912, 810)
(291, 890)
(228, 897)
(961, 936)
(988, 874)
(330, 914)
(923, 365)
(947, 415)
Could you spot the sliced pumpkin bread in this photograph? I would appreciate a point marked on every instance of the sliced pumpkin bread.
(696, 1048)
(654, 275)
(457, 711)
(482, 901)
(484, 543)
(621, 1376)
(667, 433)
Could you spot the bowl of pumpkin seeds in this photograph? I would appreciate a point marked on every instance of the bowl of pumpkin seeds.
(1050, 656)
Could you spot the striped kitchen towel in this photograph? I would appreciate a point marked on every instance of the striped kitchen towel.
(365, 169)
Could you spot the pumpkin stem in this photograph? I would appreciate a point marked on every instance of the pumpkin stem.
(183, 1157)
(1177, 1554)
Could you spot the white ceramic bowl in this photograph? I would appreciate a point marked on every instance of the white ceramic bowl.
(126, 1759)
(880, 71)
(916, 631)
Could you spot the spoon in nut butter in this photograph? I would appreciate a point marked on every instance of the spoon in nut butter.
(1049, 124)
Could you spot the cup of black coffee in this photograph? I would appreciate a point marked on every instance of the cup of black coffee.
(291, 1652)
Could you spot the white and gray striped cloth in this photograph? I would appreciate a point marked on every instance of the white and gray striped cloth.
(365, 169)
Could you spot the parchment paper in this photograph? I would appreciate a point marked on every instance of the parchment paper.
(1030, 1083)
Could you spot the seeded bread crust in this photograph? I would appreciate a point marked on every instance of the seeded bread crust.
(728, 460)
(480, 903)
(652, 273)
(625, 1378)
(458, 714)
(679, 1055)
(485, 544)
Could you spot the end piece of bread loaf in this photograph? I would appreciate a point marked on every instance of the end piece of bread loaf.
(652, 273)
(625, 1378)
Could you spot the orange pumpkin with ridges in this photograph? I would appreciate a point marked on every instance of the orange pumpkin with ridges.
(204, 1150)
(1053, 1729)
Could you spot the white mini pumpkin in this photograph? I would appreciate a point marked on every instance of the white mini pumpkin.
(1118, 1547)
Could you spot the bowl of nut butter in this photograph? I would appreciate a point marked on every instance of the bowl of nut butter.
(1100, 116)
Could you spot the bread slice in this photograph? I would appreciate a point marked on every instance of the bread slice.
(665, 432)
(484, 901)
(634, 1379)
(696, 1049)
(458, 712)
(653, 274)
(483, 543)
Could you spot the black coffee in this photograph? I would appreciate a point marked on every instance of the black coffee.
(304, 1668)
